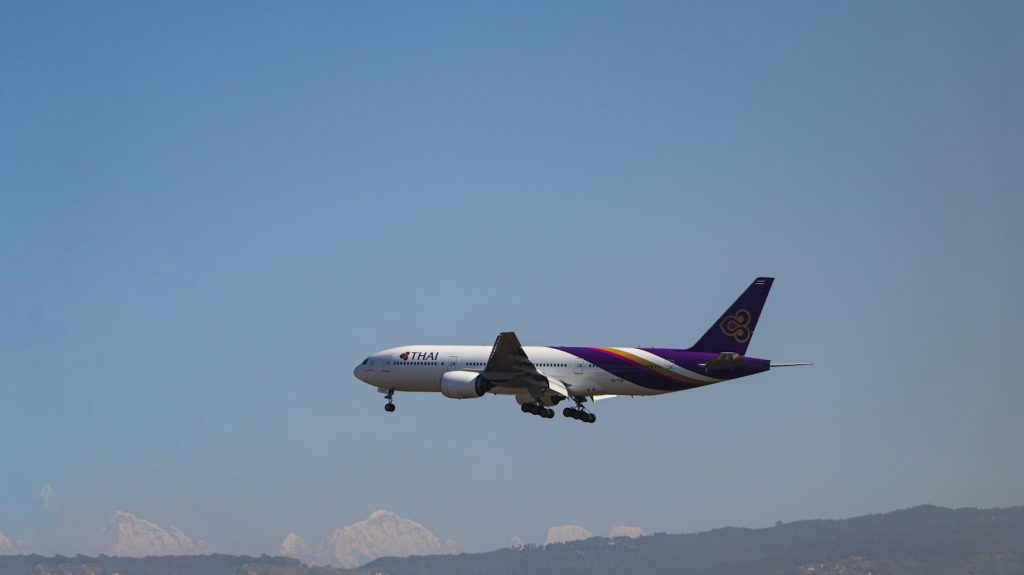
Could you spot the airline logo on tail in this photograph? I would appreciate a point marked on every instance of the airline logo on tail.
(737, 325)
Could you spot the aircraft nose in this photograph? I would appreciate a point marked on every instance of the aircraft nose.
(358, 372)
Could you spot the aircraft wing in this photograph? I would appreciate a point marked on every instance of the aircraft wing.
(509, 366)
(508, 362)
(558, 387)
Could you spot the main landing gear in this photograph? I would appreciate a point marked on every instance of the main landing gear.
(390, 405)
(579, 412)
(537, 409)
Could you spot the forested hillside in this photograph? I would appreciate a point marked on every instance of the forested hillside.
(926, 540)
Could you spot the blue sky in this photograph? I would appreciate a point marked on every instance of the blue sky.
(209, 214)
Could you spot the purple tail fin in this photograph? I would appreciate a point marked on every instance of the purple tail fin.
(732, 331)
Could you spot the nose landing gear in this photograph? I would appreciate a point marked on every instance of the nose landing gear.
(390, 405)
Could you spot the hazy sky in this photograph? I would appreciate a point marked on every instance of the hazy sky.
(210, 214)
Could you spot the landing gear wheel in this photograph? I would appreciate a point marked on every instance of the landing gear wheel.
(537, 409)
(389, 407)
(579, 412)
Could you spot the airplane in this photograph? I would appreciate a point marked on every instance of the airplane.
(542, 377)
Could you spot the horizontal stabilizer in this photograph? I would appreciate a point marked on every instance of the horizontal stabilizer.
(725, 360)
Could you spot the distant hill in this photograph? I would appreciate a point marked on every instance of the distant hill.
(164, 565)
(925, 540)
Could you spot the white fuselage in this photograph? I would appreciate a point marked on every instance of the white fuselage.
(424, 365)
(540, 376)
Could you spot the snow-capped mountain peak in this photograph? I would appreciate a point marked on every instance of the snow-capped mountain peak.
(295, 547)
(566, 533)
(381, 534)
(130, 536)
(8, 547)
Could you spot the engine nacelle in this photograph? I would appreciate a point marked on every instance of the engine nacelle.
(464, 385)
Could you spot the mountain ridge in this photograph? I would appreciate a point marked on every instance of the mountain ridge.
(920, 540)
(131, 536)
(967, 539)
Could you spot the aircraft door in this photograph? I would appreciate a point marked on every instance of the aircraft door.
(578, 368)
(453, 360)
(385, 364)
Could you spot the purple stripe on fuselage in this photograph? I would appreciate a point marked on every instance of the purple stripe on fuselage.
(656, 379)
(627, 370)
(693, 360)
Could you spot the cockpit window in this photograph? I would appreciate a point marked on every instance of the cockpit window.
(366, 361)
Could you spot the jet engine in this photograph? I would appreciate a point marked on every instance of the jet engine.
(464, 385)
